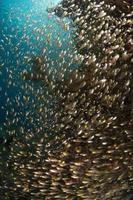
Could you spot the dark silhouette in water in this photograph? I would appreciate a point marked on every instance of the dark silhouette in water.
(37, 73)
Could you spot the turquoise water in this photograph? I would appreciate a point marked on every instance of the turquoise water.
(28, 30)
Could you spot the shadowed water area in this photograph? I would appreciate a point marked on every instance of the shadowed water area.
(66, 100)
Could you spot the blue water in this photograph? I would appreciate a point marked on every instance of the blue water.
(18, 20)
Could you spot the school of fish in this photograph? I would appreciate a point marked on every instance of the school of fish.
(80, 144)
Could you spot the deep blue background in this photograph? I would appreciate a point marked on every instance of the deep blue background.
(18, 42)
